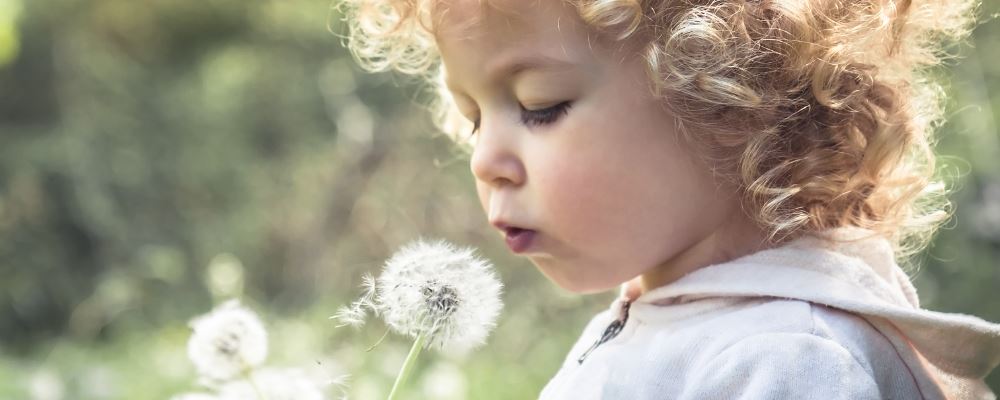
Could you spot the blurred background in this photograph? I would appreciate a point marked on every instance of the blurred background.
(159, 157)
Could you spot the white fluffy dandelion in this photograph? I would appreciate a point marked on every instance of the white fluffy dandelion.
(433, 288)
(441, 295)
(227, 342)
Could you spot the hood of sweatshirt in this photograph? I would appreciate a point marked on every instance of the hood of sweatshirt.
(857, 273)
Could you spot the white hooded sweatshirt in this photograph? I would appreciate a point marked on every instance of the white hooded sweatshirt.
(810, 319)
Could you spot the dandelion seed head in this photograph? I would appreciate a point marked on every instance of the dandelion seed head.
(226, 341)
(446, 293)
(442, 300)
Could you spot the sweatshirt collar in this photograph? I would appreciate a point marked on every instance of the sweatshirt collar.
(857, 273)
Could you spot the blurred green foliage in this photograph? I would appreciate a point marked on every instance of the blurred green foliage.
(159, 156)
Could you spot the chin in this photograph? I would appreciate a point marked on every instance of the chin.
(580, 287)
(573, 282)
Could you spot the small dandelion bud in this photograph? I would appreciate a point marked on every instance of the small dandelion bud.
(227, 341)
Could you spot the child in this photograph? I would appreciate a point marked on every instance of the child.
(747, 171)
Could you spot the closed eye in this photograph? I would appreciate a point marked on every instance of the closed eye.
(542, 116)
(545, 115)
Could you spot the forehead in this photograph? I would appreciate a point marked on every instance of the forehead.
(474, 19)
(484, 41)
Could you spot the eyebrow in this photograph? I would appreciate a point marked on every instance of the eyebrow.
(524, 63)
(509, 69)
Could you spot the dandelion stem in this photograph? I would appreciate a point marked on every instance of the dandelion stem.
(411, 359)
(249, 378)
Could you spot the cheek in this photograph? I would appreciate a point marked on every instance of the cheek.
(608, 174)
(482, 191)
(621, 192)
(598, 201)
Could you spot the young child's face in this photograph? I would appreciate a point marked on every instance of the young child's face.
(605, 183)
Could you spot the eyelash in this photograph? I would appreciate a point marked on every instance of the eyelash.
(536, 117)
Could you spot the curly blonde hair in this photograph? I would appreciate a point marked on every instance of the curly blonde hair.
(821, 111)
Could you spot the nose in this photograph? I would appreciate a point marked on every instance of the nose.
(495, 158)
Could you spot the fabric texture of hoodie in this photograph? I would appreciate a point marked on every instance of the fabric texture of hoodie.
(810, 319)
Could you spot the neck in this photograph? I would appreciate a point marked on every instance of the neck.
(730, 241)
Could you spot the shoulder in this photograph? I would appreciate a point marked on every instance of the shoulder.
(782, 348)
(720, 327)
(759, 348)
(782, 365)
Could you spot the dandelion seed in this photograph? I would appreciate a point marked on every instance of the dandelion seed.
(350, 316)
(355, 314)
(328, 374)
(227, 341)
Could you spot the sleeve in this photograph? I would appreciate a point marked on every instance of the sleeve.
(781, 366)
